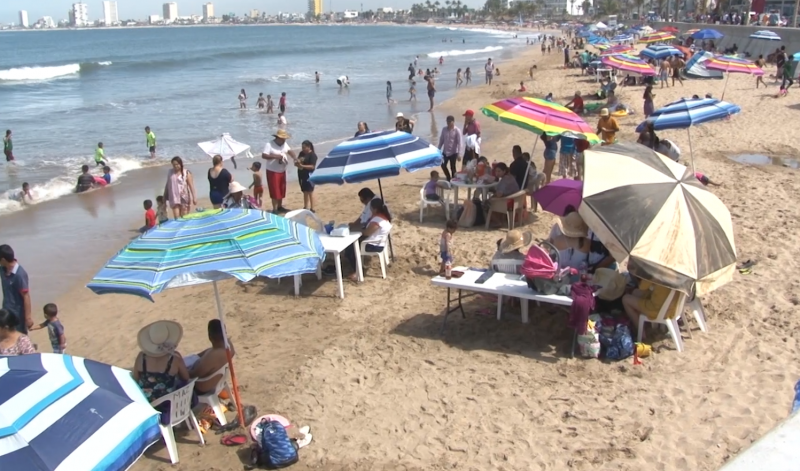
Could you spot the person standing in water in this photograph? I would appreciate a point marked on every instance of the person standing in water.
(431, 90)
(242, 100)
(270, 105)
(316, 77)
(282, 102)
(8, 146)
(151, 141)
(100, 156)
(389, 93)
(411, 71)
(261, 103)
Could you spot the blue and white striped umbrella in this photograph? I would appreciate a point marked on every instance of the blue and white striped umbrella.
(766, 34)
(59, 412)
(622, 38)
(688, 112)
(375, 155)
(659, 51)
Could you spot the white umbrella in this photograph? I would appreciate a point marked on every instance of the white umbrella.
(225, 146)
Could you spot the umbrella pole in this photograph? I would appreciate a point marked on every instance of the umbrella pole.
(728, 75)
(389, 237)
(235, 385)
(533, 152)
(691, 150)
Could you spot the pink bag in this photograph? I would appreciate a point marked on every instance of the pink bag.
(538, 264)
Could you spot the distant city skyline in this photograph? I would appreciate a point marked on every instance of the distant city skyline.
(140, 9)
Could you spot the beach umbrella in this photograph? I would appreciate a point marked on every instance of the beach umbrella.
(730, 65)
(617, 49)
(657, 214)
(688, 112)
(225, 146)
(596, 40)
(627, 63)
(658, 37)
(660, 51)
(669, 29)
(208, 247)
(375, 155)
(766, 34)
(540, 117)
(622, 38)
(690, 32)
(59, 412)
(557, 196)
(707, 33)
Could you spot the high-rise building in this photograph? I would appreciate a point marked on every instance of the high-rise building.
(170, 12)
(23, 18)
(110, 13)
(80, 15)
(253, 13)
(314, 7)
(208, 11)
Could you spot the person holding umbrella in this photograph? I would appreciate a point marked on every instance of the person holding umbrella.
(277, 153)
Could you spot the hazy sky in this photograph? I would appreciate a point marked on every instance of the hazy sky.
(9, 9)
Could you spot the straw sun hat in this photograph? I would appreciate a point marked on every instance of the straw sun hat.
(514, 240)
(572, 225)
(604, 112)
(281, 134)
(160, 338)
(235, 187)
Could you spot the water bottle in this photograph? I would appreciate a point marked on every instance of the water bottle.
(448, 269)
(582, 271)
(796, 404)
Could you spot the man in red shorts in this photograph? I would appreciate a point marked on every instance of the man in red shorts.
(277, 154)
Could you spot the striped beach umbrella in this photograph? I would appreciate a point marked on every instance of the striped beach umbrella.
(669, 29)
(374, 156)
(207, 247)
(627, 63)
(59, 412)
(541, 117)
(657, 37)
(731, 65)
(656, 213)
(690, 32)
(659, 51)
(688, 112)
(617, 49)
(766, 34)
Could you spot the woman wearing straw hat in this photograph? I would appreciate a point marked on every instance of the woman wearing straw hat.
(235, 197)
(277, 153)
(570, 237)
(508, 256)
(159, 369)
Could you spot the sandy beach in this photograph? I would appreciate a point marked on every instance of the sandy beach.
(383, 390)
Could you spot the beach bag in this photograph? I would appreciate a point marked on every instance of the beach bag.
(620, 345)
(467, 215)
(275, 449)
(541, 271)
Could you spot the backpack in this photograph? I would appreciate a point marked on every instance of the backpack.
(275, 449)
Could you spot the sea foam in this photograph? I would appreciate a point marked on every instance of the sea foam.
(464, 52)
(32, 74)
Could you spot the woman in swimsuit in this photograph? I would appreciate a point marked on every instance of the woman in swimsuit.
(219, 178)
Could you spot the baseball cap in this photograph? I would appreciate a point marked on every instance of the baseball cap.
(469, 113)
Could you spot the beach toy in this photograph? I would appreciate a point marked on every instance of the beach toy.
(100, 181)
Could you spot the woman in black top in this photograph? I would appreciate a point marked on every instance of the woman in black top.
(306, 163)
(219, 179)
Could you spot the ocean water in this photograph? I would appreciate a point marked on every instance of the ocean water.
(62, 92)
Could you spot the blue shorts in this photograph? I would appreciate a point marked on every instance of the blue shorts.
(446, 257)
(550, 155)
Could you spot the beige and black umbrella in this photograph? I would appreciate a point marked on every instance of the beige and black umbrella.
(647, 207)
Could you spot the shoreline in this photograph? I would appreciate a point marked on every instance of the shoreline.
(384, 390)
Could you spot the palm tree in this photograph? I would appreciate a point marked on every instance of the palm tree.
(586, 5)
(639, 4)
(436, 6)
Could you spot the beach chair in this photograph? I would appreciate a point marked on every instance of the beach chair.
(444, 202)
(212, 398)
(180, 410)
(500, 205)
(535, 181)
(695, 307)
(383, 256)
(306, 218)
(672, 324)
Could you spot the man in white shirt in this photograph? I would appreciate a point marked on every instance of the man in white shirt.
(365, 195)
(277, 154)
(489, 68)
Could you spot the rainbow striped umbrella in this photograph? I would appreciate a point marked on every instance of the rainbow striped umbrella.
(627, 63)
(657, 37)
(618, 49)
(691, 32)
(730, 65)
(541, 117)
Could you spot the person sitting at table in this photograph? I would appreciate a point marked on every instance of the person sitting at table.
(569, 236)
(365, 195)
(210, 360)
(506, 185)
(376, 234)
(508, 258)
(519, 166)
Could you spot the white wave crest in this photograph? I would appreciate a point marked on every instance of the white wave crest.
(34, 74)
(464, 52)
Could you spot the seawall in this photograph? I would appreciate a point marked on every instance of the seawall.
(740, 35)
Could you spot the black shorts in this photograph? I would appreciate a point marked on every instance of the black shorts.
(676, 73)
(431, 93)
(306, 186)
(9, 155)
(152, 149)
(283, 108)
(100, 163)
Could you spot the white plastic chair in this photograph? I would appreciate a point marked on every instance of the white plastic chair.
(695, 306)
(672, 324)
(500, 205)
(535, 181)
(306, 218)
(444, 201)
(383, 256)
(212, 398)
(180, 410)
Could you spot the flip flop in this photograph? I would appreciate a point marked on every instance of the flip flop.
(304, 441)
(236, 439)
(746, 264)
(305, 430)
(746, 271)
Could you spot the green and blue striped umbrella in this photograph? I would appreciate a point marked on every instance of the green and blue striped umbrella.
(207, 246)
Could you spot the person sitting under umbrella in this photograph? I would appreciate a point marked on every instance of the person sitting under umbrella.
(647, 299)
(365, 195)
(159, 369)
(570, 236)
(375, 234)
(648, 137)
(236, 197)
(210, 360)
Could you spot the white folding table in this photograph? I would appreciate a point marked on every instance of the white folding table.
(335, 246)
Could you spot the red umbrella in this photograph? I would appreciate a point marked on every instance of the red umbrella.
(669, 29)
